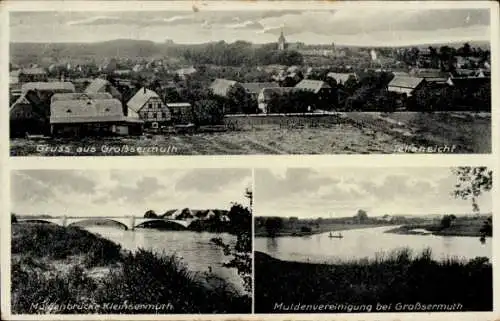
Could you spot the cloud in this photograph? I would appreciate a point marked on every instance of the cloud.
(99, 20)
(26, 189)
(210, 180)
(351, 21)
(144, 188)
(296, 181)
(360, 25)
(319, 192)
(122, 192)
(67, 179)
(248, 24)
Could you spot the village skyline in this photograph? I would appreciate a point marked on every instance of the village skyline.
(344, 26)
(125, 192)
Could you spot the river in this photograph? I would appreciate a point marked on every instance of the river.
(194, 249)
(368, 243)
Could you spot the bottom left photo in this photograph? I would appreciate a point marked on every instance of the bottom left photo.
(131, 242)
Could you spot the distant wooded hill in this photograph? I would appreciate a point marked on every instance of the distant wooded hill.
(40, 53)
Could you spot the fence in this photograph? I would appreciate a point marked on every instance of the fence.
(304, 120)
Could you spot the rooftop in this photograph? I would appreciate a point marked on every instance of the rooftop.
(85, 111)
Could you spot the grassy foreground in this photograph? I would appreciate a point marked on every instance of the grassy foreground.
(394, 280)
(72, 271)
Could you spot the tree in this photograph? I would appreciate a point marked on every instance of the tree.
(361, 216)
(273, 225)
(447, 221)
(13, 218)
(447, 58)
(305, 229)
(208, 112)
(240, 217)
(487, 228)
(472, 182)
(150, 214)
(241, 252)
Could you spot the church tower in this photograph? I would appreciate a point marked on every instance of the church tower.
(281, 41)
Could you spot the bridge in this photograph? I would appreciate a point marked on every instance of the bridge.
(127, 222)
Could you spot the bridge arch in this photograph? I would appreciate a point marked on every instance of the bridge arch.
(98, 222)
(160, 222)
(39, 221)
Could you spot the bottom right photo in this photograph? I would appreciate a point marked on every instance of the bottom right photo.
(354, 240)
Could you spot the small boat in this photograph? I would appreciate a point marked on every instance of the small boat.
(338, 236)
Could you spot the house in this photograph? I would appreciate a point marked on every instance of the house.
(73, 96)
(109, 65)
(32, 75)
(342, 78)
(122, 72)
(100, 85)
(181, 113)
(267, 94)
(185, 73)
(168, 214)
(253, 88)
(53, 87)
(45, 90)
(14, 76)
(400, 73)
(184, 214)
(204, 215)
(319, 87)
(222, 87)
(405, 85)
(150, 108)
(138, 68)
(90, 117)
(429, 74)
(27, 115)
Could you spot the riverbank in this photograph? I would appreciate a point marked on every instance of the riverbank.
(469, 227)
(395, 278)
(72, 271)
(321, 228)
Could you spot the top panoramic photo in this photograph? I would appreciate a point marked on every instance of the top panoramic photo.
(205, 80)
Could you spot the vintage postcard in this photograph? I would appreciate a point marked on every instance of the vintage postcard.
(344, 240)
(131, 242)
(346, 160)
(212, 79)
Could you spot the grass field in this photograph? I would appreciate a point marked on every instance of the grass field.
(397, 279)
(461, 227)
(66, 270)
(356, 133)
(322, 228)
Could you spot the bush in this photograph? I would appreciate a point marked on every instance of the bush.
(393, 277)
(55, 242)
(305, 229)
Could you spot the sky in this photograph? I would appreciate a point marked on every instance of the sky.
(125, 192)
(375, 26)
(341, 192)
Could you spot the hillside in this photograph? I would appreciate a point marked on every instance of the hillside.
(47, 53)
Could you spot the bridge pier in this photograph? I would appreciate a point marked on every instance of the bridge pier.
(132, 223)
(64, 220)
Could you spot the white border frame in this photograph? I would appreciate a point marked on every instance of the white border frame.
(252, 161)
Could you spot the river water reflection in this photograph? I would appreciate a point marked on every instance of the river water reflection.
(368, 243)
(195, 249)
